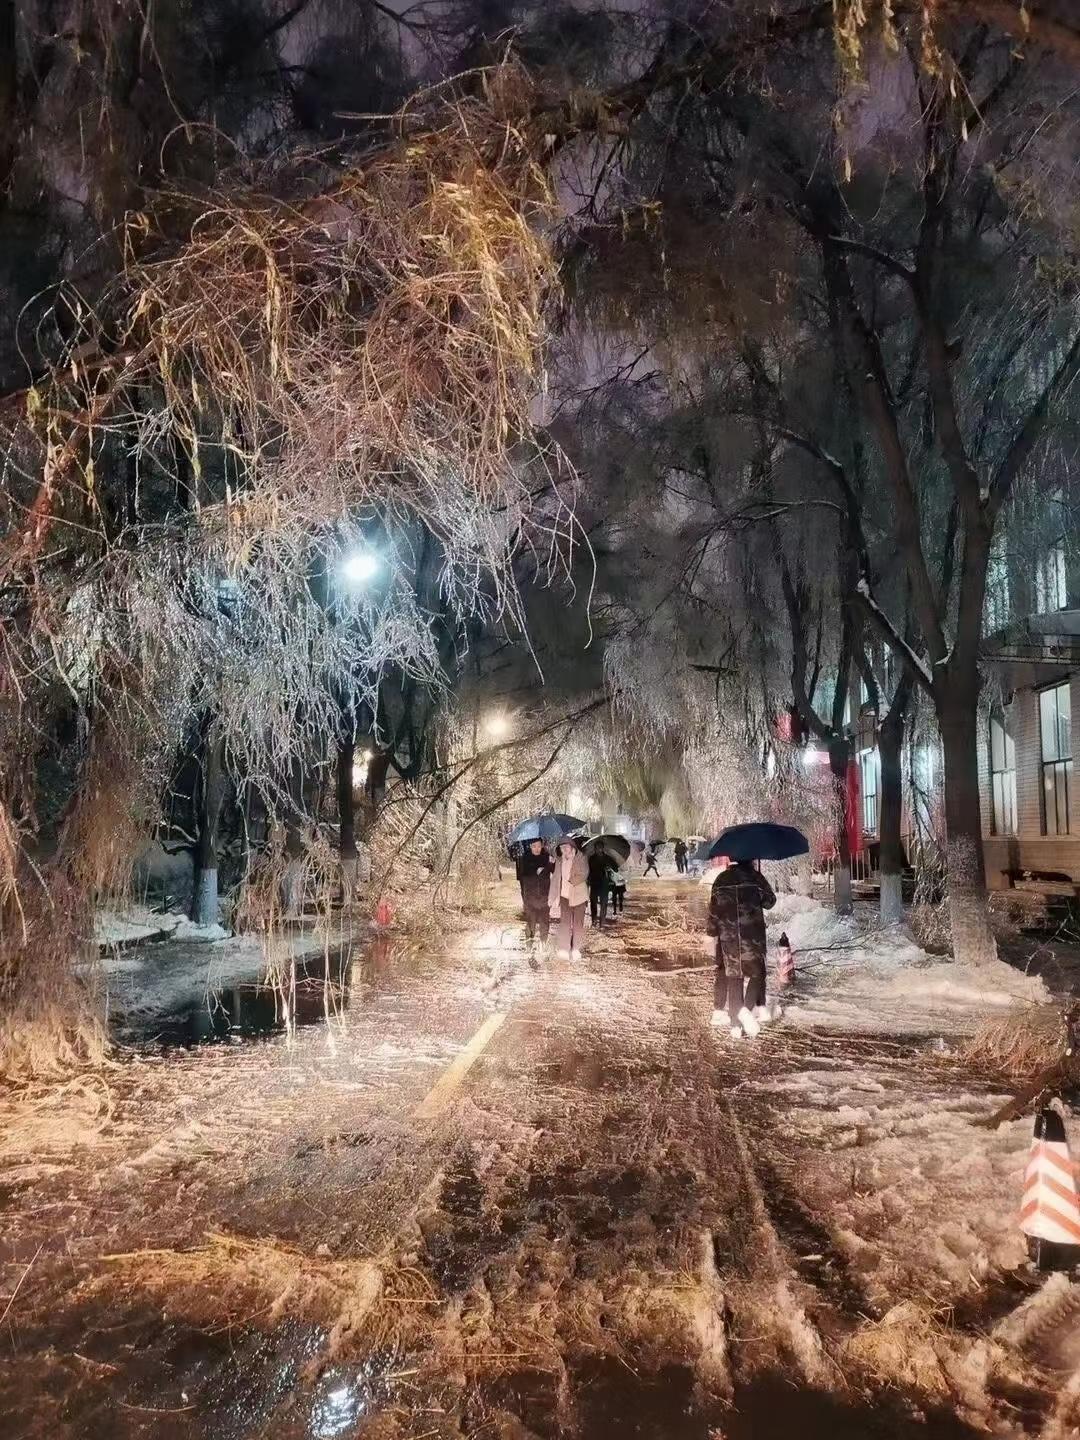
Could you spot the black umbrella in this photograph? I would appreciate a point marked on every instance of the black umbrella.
(614, 846)
(544, 827)
(760, 840)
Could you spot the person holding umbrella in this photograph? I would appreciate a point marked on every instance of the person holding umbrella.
(599, 885)
(605, 853)
(534, 867)
(568, 893)
(680, 856)
(739, 897)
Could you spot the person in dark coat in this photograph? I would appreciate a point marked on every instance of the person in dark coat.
(738, 900)
(680, 856)
(599, 886)
(534, 869)
(650, 862)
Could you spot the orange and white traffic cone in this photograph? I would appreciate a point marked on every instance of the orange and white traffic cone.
(1050, 1208)
(785, 962)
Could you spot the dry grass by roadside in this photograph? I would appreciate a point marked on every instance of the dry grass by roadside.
(232, 1279)
(1020, 1046)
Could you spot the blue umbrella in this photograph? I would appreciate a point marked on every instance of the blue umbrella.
(544, 827)
(760, 840)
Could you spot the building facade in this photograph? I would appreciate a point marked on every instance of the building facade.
(1030, 805)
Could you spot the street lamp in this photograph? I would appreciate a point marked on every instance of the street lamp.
(496, 725)
(360, 769)
(360, 566)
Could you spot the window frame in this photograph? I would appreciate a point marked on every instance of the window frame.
(1000, 812)
(869, 759)
(1059, 765)
(1051, 570)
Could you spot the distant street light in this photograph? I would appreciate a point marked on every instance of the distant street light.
(360, 566)
(496, 726)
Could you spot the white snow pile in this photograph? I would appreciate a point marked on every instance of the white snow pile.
(138, 922)
(850, 976)
(207, 934)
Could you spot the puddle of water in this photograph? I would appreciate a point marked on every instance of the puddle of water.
(249, 1012)
(118, 1376)
(252, 1011)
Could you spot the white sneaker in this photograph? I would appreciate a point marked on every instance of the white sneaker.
(736, 1032)
(564, 954)
(749, 1023)
(762, 1014)
(721, 1020)
(575, 955)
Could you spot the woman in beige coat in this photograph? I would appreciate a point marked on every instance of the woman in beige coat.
(568, 894)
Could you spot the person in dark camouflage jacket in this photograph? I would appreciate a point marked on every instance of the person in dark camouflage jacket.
(738, 900)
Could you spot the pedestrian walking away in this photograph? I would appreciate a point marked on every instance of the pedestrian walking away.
(617, 887)
(534, 867)
(739, 897)
(599, 884)
(680, 856)
(568, 893)
(650, 861)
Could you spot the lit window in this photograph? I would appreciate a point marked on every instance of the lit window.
(868, 784)
(1002, 777)
(1055, 732)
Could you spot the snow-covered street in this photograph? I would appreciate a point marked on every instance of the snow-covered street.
(495, 1197)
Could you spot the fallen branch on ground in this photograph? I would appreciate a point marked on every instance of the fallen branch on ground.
(1018, 1042)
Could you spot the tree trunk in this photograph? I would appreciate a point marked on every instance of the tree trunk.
(890, 820)
(804, 875)
(9, 94)
(347, 851)
(969, 916)
(204, 898)
(839, 757)
(292, 887)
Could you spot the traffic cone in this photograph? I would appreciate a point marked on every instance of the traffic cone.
(1050, 1208)
(785, 962)
(384, 913)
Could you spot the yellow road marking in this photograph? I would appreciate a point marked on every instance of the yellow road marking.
(442, 1092)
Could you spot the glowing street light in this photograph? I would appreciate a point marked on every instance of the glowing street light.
(497, 726)
(360, 566)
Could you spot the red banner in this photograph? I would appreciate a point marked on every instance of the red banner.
(853, 808)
